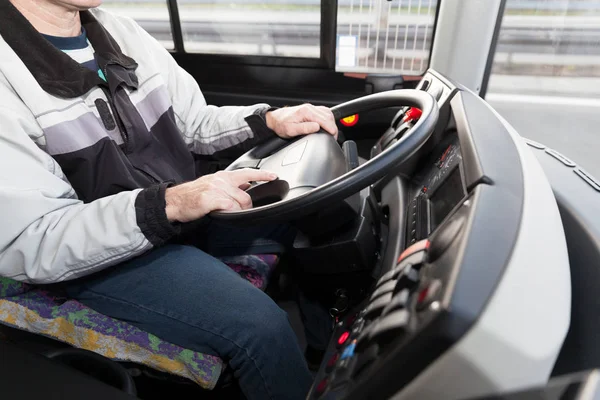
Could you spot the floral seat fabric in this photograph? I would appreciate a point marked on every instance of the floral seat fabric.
(36, 310)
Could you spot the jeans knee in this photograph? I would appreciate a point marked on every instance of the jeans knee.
(271, 325)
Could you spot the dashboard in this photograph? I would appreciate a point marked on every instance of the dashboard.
(474, 245)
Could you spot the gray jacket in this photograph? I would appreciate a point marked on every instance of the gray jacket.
(84, 164)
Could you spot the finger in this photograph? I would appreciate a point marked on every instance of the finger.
(245, 186)
(221, 203)
(329, 116)
(326, 121)
(241, 176)
(303, 128)
(239, 196)
(325, 111)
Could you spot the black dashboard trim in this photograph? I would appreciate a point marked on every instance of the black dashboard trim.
(395, 196)
(499, 205)
(473, 169)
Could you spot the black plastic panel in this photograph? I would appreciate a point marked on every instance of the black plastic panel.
(26, 375)
(394, 197)
(495, 223)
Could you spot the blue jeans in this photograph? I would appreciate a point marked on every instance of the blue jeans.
(187, 297)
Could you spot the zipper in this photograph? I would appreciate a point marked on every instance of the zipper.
(116, 115)
(121, 126)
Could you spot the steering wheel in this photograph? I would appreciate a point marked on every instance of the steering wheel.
(312, 169)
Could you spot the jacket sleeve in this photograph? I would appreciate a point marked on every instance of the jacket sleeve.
(208, 129)
(47, 234)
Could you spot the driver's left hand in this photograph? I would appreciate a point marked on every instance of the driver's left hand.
(301, 120)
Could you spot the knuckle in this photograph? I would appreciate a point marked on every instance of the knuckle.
(215, 184)
(306, 108)
(245, 198)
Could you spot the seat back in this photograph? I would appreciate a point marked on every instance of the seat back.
(578, 198)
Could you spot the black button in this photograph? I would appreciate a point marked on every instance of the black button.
(363, 339)
(386, 277)
(343, 371)
(357, 328)
(375, 308)
(407, 280)
(391, 274)
(365, 359)
(400, 300)
(383, 289)
(389, 328)
(444, 237)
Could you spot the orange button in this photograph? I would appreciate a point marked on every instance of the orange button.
(350, 121)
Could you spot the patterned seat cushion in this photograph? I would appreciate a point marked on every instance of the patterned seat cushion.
(36, 310)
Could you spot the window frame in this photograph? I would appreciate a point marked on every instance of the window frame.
(327, 38)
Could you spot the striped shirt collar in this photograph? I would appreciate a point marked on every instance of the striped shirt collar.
(69, 43)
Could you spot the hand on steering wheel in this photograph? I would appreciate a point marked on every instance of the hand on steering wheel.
(221, 191)
(289, 122)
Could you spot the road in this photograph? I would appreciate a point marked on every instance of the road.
(568, 125)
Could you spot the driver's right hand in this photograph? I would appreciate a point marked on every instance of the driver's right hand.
(221, 191)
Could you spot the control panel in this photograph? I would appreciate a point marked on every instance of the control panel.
(404, 300)
(436, 190)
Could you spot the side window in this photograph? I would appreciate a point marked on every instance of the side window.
(546, 75)
(376, 36)
(152, 15)
(282, 28)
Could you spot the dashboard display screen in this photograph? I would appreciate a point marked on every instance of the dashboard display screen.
(448, 195)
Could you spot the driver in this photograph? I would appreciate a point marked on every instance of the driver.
(101, 134)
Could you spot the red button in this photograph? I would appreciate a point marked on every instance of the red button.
(423, 295)
(343, 337)
(321, 386)
(428, 294)
(351, 320)
(331, 363)
(419, 246)
(412, 114)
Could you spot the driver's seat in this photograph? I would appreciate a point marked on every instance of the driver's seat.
(36, 310)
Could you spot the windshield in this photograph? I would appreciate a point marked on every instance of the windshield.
(373, 36)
